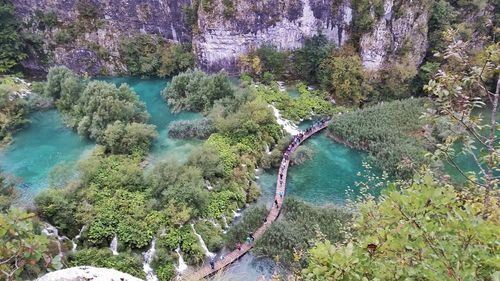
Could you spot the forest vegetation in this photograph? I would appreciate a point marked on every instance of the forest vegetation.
(413, 222)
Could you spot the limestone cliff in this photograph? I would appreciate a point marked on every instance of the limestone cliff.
(400, 34)
(220, 30)
(222, 38)
(96, 27)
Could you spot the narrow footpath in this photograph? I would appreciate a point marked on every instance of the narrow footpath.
(233, 256)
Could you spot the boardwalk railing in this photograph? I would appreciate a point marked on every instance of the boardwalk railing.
(231, 257)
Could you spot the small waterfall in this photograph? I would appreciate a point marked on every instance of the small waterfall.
(182, 265)
(236, 214)
(208, 185)
(268, 150)
(77, 237)
(226, 226)
(288, 125)
(51, 231)
(202, 243)
(113, 246)
(148, 258)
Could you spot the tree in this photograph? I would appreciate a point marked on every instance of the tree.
(427, 231)
(13, 111)
(8, 193)
(344, 76)
(23, 253)
(174, 59)
(196, 91)
(272, 60)
(464, 84)
(11, 39)
(129, 138)
(55, 79)
(307, 60)
(102, 104)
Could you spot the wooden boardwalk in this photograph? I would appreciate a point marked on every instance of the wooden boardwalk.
(233, 256)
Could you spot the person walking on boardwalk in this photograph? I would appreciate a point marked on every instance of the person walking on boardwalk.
(276, 202)
(212, 263)
(238, 246)
(251, 236)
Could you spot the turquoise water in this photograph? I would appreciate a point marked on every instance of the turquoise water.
(46, 142)
(39, 147)
(322, 180)
(149, 92)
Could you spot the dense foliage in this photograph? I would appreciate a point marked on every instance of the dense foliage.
(24, 252)
(344, 76)
(199, 128)
(11, 39)
(122, 138)
(125, 262)
(196, 91)
(8, 193)
(307, 104)
(289, 239)
(426, 231)
(13, 110)
(148, 55)
(388, 131)
(251, 221)
(98, 110)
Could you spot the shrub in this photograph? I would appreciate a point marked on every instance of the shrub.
(125, 262)
(388, 131)
(196, 91)
(414, 232)
(184, 129)
(301, 224)
(129, 138)
(250, 222)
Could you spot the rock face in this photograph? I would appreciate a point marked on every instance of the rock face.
(401, 34)
(111, 20)
(285, 24)
(220, 31)
(87, 273)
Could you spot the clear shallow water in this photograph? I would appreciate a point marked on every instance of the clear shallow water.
(323, 179)
(46, 142)
(39, 147)
(149, 92)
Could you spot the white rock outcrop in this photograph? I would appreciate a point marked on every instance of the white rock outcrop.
(87, 273)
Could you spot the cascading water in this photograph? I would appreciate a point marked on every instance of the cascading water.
(148, 258)
(51, 231)
(202, 243)
(77, 237)
(226, 226)
(288, 125)
(182, 265)
(237, 214)
(208, 185)
(113, 246)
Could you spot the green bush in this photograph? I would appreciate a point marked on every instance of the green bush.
(11, 39)
(419, 232)
(196, 91)
(251, 220)
(13, 112)
(120, 138)
(58, 207)
(125, 262)
(149, 55)
(388, 131)
(301, 224)
(184, 129)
